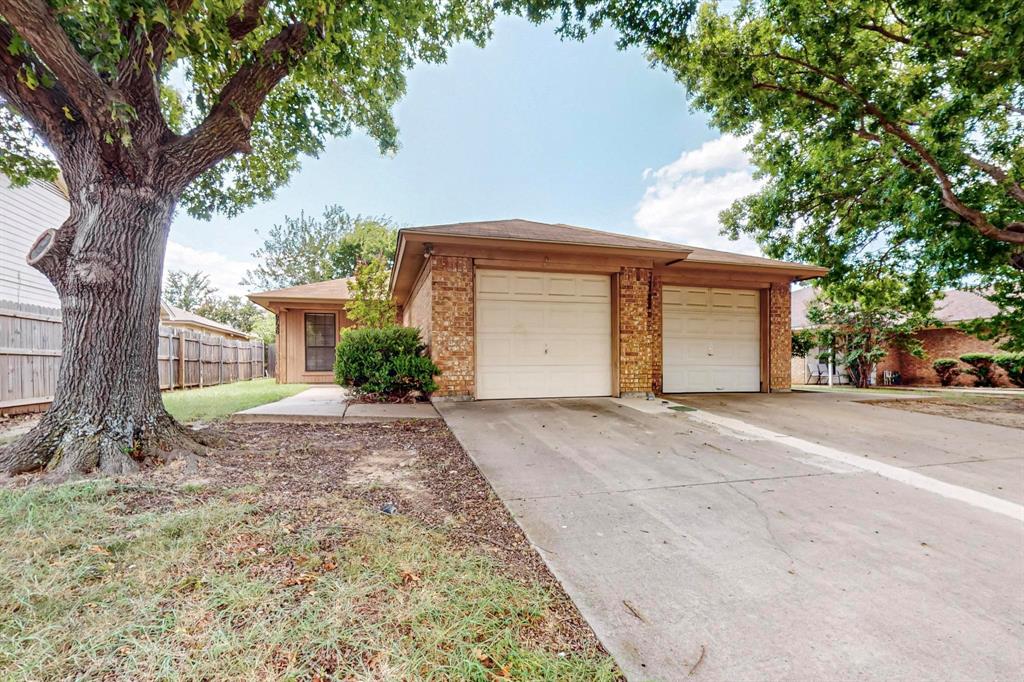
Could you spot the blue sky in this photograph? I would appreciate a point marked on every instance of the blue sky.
(529, 126)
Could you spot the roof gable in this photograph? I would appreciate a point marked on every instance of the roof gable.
(331, 291)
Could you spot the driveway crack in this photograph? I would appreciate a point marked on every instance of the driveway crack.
(767, 525)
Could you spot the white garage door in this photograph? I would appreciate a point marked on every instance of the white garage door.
(711, 340)
(542, 335)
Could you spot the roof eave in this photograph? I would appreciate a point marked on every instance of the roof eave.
(446, 238)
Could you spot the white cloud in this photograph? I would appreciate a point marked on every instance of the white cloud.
(225, 273)
(683, 199)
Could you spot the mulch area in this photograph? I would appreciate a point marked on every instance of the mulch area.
(417, 466)
(983, 409)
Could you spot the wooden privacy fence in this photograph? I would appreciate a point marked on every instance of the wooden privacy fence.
(191, 359)
(30, 350)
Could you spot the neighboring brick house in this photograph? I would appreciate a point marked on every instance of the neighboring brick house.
(946, 341)
(522, 309)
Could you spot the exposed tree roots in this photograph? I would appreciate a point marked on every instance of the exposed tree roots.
(65, 445)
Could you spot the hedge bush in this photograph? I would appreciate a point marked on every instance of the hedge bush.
(980, 368)
(1013, 365)
(948, 370)
(388, 362)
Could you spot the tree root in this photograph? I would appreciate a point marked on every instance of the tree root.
(69, 444)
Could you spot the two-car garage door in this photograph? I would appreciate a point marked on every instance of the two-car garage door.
(549, 335)
(711, 340)
(542, 335)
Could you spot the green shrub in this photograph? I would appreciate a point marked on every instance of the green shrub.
(1013, 365)
(948, 370)
(980, 368)
(384, 362)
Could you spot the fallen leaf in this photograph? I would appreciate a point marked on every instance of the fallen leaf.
(300, 579)
(96, 549)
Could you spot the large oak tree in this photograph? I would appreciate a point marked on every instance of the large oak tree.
(147, 105)
(890, 133)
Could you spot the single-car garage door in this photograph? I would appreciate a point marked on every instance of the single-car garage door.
(542, 335)
(711, 340)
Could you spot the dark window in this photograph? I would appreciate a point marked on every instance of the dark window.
(320, 342)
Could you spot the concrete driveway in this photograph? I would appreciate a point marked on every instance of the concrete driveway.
(782, 537)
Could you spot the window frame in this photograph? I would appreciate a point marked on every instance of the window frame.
(305, 337)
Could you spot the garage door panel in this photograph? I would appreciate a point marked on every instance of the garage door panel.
(561, 286)
(544, 335)
(711, 348)
(594, 288)
(498, 349)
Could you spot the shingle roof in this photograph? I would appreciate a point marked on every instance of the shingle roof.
(530, 230)
(330, 289)
(955, 306)
(958, 306)
(175, 314)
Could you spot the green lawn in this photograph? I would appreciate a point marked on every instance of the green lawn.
(217, 402)
(100, 580)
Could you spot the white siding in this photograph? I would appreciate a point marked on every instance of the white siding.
(24, 213)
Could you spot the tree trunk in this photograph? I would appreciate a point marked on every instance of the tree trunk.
(106, 262)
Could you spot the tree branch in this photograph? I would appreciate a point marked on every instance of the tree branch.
(798, 92)
(949, 197)
(42, 107)
(1001, 177)
(881, 30)
(246, 19)
(225, 130)
(35, 22)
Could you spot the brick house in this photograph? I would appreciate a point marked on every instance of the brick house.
(945, 341)
(522, 309)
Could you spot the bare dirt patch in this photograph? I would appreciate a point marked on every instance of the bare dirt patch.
(14, 426)
(983, 409)
(418, 466)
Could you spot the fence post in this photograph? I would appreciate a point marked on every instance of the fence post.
(201, 363)
(181, 358)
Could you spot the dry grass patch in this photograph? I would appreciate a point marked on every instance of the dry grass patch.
(977, 408)
(271, 561)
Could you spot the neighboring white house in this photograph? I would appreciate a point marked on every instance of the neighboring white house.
(24, 213)
(179, 318)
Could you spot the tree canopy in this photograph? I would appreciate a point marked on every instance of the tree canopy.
(225, 95)
(370, 304)
(885, 131)
(307, 249)
(193, 292)
(188, 290)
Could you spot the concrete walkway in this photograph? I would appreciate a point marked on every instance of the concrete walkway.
(852, 542)
(330, 404)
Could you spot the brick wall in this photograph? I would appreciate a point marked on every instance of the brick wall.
(655, 325)
(940, 343)
(635, 338)
(780, 338)
(451, 333)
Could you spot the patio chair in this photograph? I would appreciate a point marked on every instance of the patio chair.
(817, 372)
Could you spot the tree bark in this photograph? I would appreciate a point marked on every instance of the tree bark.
(106, 262)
